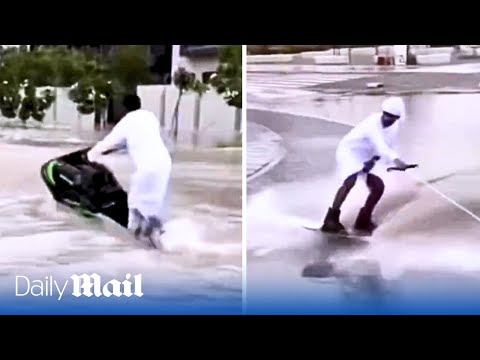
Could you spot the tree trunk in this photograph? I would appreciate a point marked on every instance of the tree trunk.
(176, 111)
(163, 102)
(97, 119)
(238, 120)
(196, 120)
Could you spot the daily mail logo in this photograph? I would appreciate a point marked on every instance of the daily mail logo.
(80, 285)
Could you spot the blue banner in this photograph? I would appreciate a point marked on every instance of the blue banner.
(93, 294)
(412, 295)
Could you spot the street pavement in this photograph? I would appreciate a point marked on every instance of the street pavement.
(268, 86)
(399, 83)
(324, 96)
(264, 150)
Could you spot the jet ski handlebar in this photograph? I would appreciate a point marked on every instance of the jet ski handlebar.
(394, 168)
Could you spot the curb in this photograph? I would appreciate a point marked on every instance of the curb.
(267, 139)
(266, 167)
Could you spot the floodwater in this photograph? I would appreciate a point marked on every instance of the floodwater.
(203, 258)
(424, 240)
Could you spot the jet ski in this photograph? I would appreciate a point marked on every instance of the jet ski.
(87, 187)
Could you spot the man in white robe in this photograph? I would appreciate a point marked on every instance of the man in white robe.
(371, 141)
(139, 133)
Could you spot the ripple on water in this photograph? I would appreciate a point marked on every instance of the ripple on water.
(39, 238)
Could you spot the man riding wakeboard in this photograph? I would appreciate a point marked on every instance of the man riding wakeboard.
(372, 140)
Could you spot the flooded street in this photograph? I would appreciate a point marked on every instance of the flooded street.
(203, 260)
(425, 246)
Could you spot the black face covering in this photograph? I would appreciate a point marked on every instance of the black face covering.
(388, 119)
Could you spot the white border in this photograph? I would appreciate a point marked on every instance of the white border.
(244, 179)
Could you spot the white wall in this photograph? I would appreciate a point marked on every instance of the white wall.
(62, 115)
(216, 120)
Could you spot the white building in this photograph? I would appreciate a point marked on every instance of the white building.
(199, 59)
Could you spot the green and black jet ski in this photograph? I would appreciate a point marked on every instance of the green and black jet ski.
(87, 187)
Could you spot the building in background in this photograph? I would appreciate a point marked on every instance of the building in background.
(199, 59)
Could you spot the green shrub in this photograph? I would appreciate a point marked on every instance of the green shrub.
(228, 79)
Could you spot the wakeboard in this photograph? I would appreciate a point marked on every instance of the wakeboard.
(350, 238)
